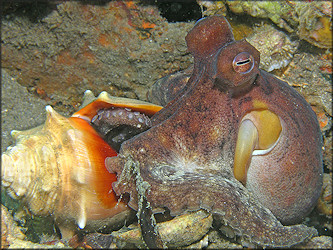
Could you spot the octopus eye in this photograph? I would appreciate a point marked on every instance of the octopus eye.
(243, 63)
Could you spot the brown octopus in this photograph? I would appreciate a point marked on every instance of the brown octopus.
(233, 140)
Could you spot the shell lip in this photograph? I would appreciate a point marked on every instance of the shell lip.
(89, 111)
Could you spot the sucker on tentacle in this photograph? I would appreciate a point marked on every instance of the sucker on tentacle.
(117, 125)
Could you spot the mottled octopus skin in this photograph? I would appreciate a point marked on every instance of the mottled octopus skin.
(185, 161)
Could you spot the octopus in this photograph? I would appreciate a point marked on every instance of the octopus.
(232, 139)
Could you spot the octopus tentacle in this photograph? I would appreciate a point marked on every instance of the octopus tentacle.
(221, 196)
(121, 116)
(116, 125)
(179, 191)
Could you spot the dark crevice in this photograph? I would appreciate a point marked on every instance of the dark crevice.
(178, 11)
(33, 10)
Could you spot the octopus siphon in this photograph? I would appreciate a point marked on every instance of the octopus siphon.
(233, 140)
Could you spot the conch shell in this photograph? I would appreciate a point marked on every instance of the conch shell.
(59, 168)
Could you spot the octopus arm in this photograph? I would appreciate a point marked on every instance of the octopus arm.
(239, 210)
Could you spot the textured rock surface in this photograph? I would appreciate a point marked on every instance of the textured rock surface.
(119, 47)
(311, 21)
(20, 110)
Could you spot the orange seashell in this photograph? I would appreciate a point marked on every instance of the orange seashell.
(59, 168)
